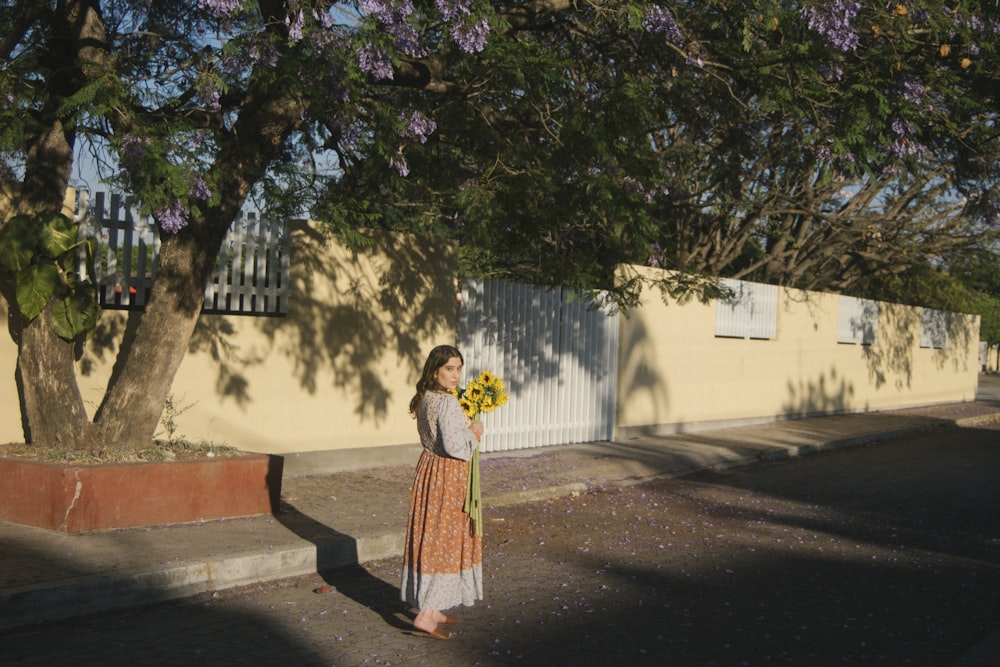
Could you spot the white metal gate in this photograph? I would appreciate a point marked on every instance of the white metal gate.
(558, 357)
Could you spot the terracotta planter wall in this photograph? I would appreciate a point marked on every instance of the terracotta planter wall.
(78, 498)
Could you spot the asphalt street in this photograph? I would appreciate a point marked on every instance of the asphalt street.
(885, 554)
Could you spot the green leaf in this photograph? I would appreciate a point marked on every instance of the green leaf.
(35, 285)
(57, 236)
(85, 307)
(63, 320)
(18, 242)
(76, 314)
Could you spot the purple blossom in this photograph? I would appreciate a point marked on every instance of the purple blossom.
(220, 8)
(408, 40)
(972, 21)
(133, 150)
(398, 162)
(236, 61)
(891, 171)
(655, 258)
(830, 71)
(264, 54)
(375, 61)
(633, 184)
(832, 20)
(453, 9)
(660, 20)
(911, 90)
(902, 127)
(350, 138)
(211, 98)
(173, 218)
(200, 190)
(694, 60)
(197, 139)
(420, 126)
(471, 38)
(394, 16)
(905, 147)
(322, 18)
(387, 13)
(295, 28)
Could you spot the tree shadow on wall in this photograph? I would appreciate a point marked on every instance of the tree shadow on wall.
(891, 358)
(642, 381)
(959, 343)
(351, 314)
(537, 333)
(827, 395)
(213, 336)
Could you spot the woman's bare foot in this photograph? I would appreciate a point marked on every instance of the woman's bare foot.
(426, 621)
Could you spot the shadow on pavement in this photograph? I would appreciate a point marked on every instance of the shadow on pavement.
(352, 581)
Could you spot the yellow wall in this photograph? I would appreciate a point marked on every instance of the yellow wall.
(675, 374)
(8, 191)
(336, 373)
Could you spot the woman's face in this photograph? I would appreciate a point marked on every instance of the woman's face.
(449, 375)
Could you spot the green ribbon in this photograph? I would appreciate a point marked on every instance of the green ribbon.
(473, 495)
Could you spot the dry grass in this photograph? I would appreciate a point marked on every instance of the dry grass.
(158, 451)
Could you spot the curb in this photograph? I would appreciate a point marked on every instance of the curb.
(785, 454)
(981, 420)
(66, 598)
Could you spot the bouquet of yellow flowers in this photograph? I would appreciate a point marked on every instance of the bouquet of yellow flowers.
(484, 394)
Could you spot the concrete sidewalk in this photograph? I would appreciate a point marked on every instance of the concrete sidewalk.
(341, 519)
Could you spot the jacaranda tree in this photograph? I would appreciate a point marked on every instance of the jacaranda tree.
(796, 142)
(805, 144)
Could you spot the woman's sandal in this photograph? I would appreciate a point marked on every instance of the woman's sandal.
(440, 634)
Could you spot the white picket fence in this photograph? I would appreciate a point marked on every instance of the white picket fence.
(251, 274)
(558, 357)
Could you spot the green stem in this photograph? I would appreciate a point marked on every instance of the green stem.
(473, 495)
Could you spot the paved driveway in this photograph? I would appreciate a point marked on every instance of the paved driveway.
(887, 554)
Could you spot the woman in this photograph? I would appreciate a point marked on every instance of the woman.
(442, 557)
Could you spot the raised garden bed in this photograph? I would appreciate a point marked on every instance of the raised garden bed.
(76, 498)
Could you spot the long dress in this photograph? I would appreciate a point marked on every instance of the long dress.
(442, 556)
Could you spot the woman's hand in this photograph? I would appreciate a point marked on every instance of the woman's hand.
(477, 429)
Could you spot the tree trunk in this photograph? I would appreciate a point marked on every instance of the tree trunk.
(133, 404)
(54, 412)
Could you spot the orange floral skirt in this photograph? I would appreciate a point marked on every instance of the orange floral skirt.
(442, 556)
